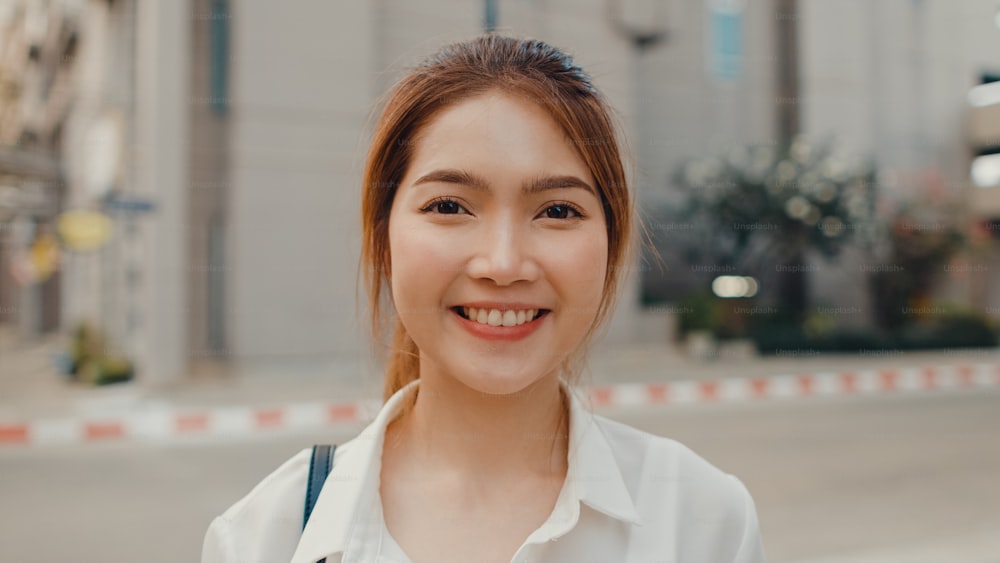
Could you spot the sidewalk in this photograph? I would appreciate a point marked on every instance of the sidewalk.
(31, 387)
(32, 390)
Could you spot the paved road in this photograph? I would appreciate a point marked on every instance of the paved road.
(889, 479)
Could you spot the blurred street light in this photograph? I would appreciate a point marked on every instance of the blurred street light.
(986, 171)
(734, 286)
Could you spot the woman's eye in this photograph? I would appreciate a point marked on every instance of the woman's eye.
(448, 207)
(444, 207)
(562, 211)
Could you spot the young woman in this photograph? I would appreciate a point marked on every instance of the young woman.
(498, 220)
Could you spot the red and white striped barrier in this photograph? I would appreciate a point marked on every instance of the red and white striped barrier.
(847, 383)
(168, 424)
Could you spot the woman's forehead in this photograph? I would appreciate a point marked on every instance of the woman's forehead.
(496, 129)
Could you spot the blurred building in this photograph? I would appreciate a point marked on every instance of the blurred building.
(891, 79)
(884, 80)
(37, 50)
(983, 127)
(224, 141)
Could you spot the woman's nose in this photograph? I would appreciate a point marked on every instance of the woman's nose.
(503, 254)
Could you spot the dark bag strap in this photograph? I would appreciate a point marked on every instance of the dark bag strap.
(319, 468)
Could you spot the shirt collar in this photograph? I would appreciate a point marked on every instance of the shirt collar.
(349, 488)
(593, 477)
(593, 467)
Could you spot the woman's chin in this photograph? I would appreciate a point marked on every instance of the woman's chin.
(497, 383)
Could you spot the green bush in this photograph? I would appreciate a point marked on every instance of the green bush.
(699, 311)
(953, 330)
(113, 369)
(90, 361)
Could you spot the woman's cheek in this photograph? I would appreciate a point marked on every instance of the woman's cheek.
(421, 254)
(577, 267)
(437, 253)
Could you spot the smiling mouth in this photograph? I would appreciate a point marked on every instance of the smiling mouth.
(539, 313)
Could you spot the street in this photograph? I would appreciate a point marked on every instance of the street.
(888, 478)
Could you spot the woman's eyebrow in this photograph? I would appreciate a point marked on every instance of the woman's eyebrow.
(478, 183)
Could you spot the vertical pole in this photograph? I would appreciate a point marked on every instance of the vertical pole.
(919, 158)
(490, 18)
(793, 282)
(787, 52)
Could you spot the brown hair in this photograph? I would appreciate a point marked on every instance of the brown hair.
(530, 69)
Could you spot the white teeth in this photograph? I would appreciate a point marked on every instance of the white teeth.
(496, 317)
(509, 318)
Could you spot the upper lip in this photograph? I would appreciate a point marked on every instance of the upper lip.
(516, 306)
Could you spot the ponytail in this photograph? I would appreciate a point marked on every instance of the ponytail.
(404, 361)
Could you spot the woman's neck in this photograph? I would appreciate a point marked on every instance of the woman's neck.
(477, 439)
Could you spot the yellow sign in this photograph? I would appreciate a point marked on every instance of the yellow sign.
(45, 256)
(84, 230)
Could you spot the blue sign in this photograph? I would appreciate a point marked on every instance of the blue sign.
(726, 36)
(129, 204)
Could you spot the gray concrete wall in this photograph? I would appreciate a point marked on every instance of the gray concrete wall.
(301, 86)
(891, 78)
(162, 174)
(686, 110)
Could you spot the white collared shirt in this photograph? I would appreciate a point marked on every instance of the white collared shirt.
(629, 496)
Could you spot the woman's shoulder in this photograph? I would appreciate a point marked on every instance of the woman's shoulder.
(651, 461)
(266, 524)
(276, 488)
(674, 486)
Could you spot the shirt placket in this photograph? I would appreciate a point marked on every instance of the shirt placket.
(560, 522)
(363, 542)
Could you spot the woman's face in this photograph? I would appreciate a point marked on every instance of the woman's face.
(497, 212)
